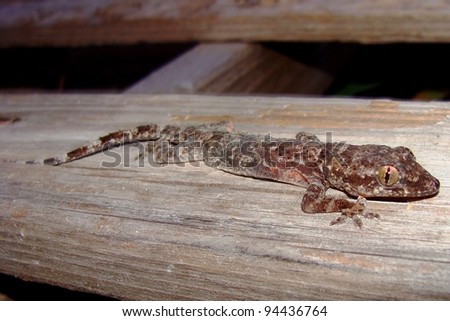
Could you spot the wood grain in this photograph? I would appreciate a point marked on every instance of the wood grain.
(196, 233)
(231, 68)
(84, 22)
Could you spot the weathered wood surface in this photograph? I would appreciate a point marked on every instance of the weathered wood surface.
(66, 22)
(197, 233)
(234, 68)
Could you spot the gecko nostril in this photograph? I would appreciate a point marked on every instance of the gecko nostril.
(436, 182)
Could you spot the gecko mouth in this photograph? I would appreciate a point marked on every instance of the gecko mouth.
(400, 199)
(433, 188)
(427, 190)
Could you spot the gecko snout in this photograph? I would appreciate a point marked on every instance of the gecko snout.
(431, 187)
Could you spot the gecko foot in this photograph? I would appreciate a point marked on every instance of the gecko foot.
(354, 212)
(341, 219)
(371, 215)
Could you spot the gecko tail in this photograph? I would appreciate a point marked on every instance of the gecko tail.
(51, 161)
(55, 161)
(118, 138)
(32, 162)
(121, 137)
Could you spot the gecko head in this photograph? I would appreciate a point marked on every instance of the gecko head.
(378, 171)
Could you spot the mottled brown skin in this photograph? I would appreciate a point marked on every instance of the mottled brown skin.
(8, 120)
(141, 133)
(364, 171)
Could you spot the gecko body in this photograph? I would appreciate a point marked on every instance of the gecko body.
(361, 171)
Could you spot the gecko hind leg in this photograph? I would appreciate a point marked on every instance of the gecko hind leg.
(164, 153)
(184, 145)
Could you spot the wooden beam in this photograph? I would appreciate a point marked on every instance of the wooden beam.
(234, 68)
(74, 23)
(196, 233)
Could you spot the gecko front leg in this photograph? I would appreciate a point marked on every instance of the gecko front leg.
(315, 201)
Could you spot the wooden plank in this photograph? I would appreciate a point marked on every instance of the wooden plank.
(196, 233)
(74, 23)
(234, 68)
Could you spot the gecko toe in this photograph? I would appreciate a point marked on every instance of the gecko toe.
(370, 215)
(341, 219)
(357, 221)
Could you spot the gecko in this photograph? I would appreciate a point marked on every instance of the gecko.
(360, 171)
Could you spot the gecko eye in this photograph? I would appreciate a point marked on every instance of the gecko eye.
(388, 175)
